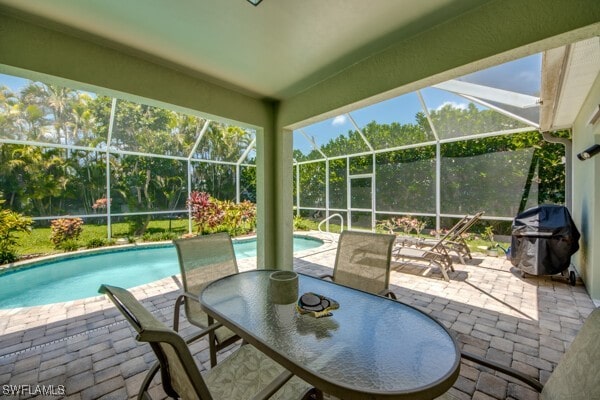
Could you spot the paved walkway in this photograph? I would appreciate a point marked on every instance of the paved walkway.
(85, 347)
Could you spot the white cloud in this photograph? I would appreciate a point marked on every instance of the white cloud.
(453, 104)
(528, 76)
(339, 120)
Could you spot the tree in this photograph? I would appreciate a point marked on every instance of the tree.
(501, 174)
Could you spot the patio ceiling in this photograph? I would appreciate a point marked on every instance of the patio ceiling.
(281, 48)
(275, 50)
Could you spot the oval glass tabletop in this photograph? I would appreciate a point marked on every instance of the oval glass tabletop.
(370, 346)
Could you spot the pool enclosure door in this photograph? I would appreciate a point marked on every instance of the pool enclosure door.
(361, 202)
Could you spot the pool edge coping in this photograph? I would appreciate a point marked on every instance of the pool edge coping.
(39, 261)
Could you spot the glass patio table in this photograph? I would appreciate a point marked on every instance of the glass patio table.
(371, 347)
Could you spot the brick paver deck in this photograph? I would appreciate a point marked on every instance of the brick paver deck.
(89, 349)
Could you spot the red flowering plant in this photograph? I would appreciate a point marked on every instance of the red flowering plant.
(438, 233)
(206, 211)
(100, 204)
(418, 226)
(406, 224)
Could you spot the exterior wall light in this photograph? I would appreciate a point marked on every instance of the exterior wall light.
(254, 2)
(589, 152)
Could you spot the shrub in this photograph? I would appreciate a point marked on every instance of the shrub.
(301, 224)
(205, 211)
(10, 223)
(64, 229)
(159, 236)
(95, 243)
(213, 215)
(68, 245)
(8, 256)
(407, 224)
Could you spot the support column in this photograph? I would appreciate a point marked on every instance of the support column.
(274, 196)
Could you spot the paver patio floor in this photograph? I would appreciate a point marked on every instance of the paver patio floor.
(89, 349)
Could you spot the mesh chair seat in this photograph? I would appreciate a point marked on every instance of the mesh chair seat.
(249, 371)
(243, 374)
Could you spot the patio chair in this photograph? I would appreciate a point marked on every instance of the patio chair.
(363, 262)
(203, 259)
(436, 256)
(245, 373)
(575, 377)
(455, 241)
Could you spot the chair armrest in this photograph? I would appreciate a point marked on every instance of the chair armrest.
(274, 386)
(180, 300)
(326, 276)
(204, 332)
(534, 383)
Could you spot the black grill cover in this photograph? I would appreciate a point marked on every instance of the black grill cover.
(543, 240)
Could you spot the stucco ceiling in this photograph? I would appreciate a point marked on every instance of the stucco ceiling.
(275, 50)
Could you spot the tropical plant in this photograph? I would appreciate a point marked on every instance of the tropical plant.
(64, 231)
(10, 223)
(205, 211)
(301, 224)
(213, 215)
(488, 235)
(95, 242)
(388, 225)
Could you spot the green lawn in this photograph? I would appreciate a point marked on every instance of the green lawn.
(38, 241)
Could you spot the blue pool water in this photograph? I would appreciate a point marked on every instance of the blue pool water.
(79, 277)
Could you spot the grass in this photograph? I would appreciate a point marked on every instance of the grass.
(38, 241)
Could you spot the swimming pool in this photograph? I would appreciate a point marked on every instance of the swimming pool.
(78, 277)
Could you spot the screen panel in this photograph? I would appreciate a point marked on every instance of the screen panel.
(312, 184)
(405, 181)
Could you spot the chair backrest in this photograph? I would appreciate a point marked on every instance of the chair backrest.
(179, 373)
(439, 245)
(203, 259)
(464, 225)
(577, 375)
(363, 260)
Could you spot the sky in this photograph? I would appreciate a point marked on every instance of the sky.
(14, 83)
(521, 76)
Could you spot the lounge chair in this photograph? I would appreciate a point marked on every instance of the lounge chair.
(455, 241)
(363, 262)
(576, 376)
(243, 374)
(203, 259)
(436, 256)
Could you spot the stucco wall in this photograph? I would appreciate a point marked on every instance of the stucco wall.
(586, 198)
